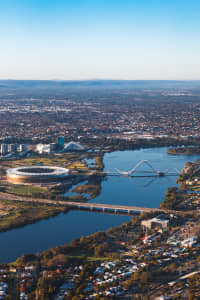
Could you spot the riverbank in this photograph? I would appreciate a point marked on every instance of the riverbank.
(146, 192)
(193, 150)
(99, 263)
(22, 214)
(114, 245)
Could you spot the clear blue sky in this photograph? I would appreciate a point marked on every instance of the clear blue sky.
(86, 39)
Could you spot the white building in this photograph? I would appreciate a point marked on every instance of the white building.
(155, 222)
(73, 146)
(43, 148)
(22, 148)
(4, 149)
(12, 148)
(189, 242)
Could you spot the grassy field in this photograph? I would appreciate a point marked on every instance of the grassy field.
(195, 188)
(91, 189)
(25, 213)
(26, 190)
(78, 165)
(81, 254)
(72, 160)
(69, 160)
(21, 213)
(43, 160)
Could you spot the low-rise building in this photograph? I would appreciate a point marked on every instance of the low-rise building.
(159, 221)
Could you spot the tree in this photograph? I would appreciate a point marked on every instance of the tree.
(100, 249)
(191, 295)
(59, 259)
(76, 298)
(145, 277)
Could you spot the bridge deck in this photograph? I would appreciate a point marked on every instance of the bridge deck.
(78, 205)
(110, 207)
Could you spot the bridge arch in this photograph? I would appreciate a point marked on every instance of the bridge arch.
(133, 170)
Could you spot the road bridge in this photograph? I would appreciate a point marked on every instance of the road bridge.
(85, 205)
(111, 207)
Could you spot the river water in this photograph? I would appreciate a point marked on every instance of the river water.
(143, 191)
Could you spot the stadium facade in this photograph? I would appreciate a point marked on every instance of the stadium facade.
(37, 174)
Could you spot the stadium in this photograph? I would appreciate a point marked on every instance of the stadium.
(37, 174)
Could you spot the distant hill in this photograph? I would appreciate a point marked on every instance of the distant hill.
(71, 89)
(96, 83)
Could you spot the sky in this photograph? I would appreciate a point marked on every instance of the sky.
(100, 39)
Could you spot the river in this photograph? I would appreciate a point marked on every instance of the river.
(59, 230)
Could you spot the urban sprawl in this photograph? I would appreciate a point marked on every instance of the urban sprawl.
(156, 255)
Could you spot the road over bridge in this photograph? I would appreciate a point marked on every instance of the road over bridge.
(85, 205)
(110, 207)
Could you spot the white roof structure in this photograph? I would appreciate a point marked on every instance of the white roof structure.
(43, 148)
(36, 171)
(159, 220)
(73, 146)
(37, 174)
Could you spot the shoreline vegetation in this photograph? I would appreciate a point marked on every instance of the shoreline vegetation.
(92, 188)
(91, 251)
(184, 150)
(23, 214)
(189, 179)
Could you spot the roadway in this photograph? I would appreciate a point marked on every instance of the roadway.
(186, 276)
(83, 205)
